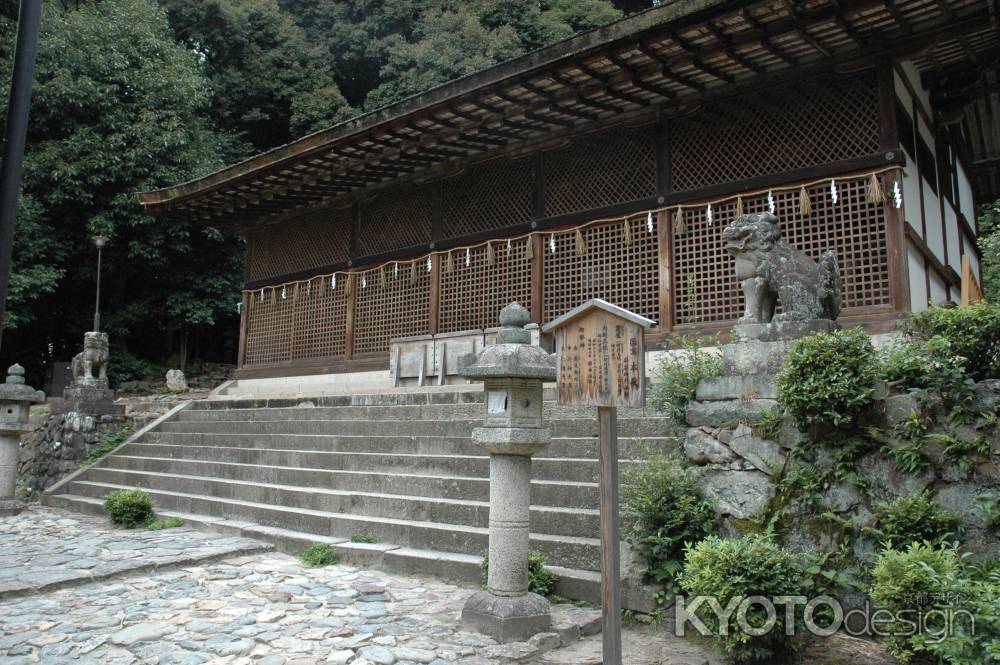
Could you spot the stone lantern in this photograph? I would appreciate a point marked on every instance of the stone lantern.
(15, 404)
(513, 372)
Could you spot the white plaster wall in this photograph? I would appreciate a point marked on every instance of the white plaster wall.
(954, 238)
(918, 285)
(965, 197)
(913, 76)
(911, 194)
(939, 289)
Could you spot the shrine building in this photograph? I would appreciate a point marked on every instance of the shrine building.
(606, 166)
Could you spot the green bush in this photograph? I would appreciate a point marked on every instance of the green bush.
(828, 379)
(541, 580)
(164, 523)
(915, 517)
(123, 366)
(129, 508)
(750, 566)
(662, 513)
(972, 332)
(368, 537)
(676, 377)
(931, 364)
(319, 554)
(957, 606)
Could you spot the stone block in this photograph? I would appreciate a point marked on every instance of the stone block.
(737, 387)
(782, 330)
(728, 413)
(899, 407)
(765, 455)
(739, 494)
(702, 448)
(986, 396)
(507, 619)
(754, 357)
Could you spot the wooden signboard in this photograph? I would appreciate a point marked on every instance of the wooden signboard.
(601, 360)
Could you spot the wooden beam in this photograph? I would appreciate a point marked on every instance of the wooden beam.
(665, 254)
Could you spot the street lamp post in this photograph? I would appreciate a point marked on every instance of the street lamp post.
(99, 242)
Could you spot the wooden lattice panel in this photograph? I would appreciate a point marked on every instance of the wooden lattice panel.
(318, 238)
(268, 324)
(705, 286)
(398, 217)
(816, 122)
(601, 169)
(318, 329)
(399, 309)
(491, 195)
(626, 275)
(473, 295)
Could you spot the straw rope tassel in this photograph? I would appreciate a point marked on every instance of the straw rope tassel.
(449, 264)
(739, 206)
(581, 244)
(491, 257)
(805, 204)
(680, 226)
(875, 193)
(413, 272)
(627, 232)
(529, 249)
(381, 276)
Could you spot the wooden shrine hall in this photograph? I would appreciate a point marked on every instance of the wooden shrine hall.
(607, 165)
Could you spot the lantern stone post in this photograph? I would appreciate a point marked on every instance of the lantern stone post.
(15, 404)
(513, 372)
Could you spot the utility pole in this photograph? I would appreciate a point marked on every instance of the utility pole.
(28, 18)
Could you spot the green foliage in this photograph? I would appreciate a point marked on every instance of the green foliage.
(909, 456)
(662, 513)
(318, 554)
(112, 441)
(123, 366)
(541, 580)
(369, 537)
(933, 365)
(913, 518)
(828, 379)
(164, 523)
(677, 376)
(129, 508)
(962, 451)
(769, 425)
(972, 332)
(989, 243)
(957, 607)
(750, 566)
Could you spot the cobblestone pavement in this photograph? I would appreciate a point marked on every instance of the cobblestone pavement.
(263, 608)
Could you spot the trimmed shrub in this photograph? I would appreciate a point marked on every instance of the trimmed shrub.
(676, 377)
(123, 366)
(129, 508)
(828, 379)
(932, 365)
(662, 513)
(749, 566)
(954, 605)
(541, 580)
(915, 517)
(972, 332)
(319, 554)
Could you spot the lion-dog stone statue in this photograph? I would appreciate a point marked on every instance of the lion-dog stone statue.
(769, 270)
(90, 366)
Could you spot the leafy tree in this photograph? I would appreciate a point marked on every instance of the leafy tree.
(989, 243)
(118, 108)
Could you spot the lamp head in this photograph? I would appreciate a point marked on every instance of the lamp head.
(100, 241)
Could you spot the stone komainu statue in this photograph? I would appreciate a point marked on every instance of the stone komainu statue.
(770, 269)
(91, 364)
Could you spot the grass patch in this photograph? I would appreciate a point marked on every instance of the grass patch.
(319, 554)
(114, 440)
(368, 537)
(164, 523)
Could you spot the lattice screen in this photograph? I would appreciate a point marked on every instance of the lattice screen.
(399, 309)
(601, 169)
(705, 289)
(816, 122)
(398, 217)
(318, 238)
(624, 275)
(491, 195)
(472, 296)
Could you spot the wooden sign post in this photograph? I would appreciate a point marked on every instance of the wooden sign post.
(602, 362)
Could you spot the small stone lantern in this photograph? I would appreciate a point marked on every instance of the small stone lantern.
(513, 372)
(15, 404)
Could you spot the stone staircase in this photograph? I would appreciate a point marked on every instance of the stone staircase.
(397, 465)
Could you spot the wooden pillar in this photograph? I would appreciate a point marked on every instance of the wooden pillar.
(895, 239)
(665, 240)
(434, 306)
(352, 290)
(611, 600)
(244, 325)
(888, 131)
(537, 278)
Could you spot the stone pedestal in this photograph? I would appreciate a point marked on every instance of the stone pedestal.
(512, 371)
(15, 404)
(93, 398)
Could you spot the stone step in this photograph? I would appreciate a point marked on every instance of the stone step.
(472, 411)
(566, 551)
(630, 447)
(559, 427)
(464, 569)
(562, 521)
(464, 466)
(543, 492)
(729, 413)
